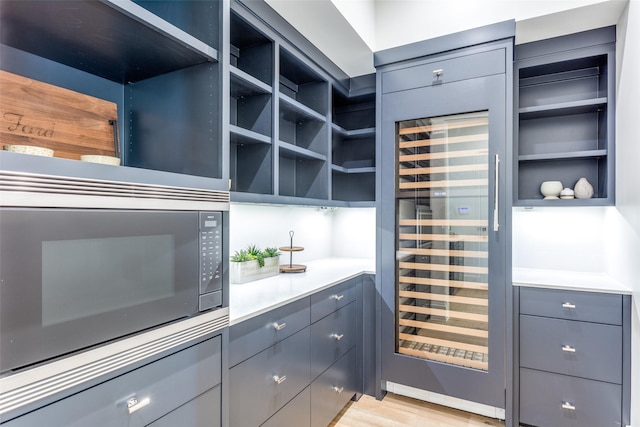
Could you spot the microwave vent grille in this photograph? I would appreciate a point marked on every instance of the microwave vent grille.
(47, 185)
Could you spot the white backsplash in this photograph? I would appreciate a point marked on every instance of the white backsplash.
(323, 232)
(560, 238)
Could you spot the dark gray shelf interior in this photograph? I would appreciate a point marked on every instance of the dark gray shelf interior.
(561, 156)
(251, 166)
(564, 108)
(240, 135)
(300, 83)
(250, 107)
(301, 176)
(353, 149)
(198, 18)
(354, 113)
(294, 152)
(98, 38)
(173, 122)
(563, 127)
(299, 127)
(354, 186)
(243, 84)
(252, 51)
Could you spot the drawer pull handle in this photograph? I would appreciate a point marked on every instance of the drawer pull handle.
(569, 406)
(337, 337)
(337, 297)
(279, 380)
(438, 73)
(134, 404)
(279, 326)
(338, 389)
(568, 305)
(568, 349)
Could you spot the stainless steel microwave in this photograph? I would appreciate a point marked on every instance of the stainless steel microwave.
(84, 262)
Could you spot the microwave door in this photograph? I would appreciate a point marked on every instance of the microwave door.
(74, 278)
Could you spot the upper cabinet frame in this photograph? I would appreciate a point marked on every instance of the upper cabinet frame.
(565, 117)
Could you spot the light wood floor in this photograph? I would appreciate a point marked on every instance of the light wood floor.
(399, 411)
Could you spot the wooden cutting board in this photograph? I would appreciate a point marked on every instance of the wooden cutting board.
(44, 115)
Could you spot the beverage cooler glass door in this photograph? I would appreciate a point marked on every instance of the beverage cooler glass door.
(442, 227)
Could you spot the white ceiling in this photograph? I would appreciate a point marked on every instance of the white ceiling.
(349, 31)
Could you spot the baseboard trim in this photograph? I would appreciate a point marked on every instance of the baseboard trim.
(451, 402)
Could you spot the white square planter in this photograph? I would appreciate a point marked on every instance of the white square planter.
(248, 271)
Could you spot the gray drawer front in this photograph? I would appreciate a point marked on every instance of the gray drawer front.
(168, 383)
(331, 299)
(254, 394)
(598, 348)
(589, 306)
(454, 69)
(203, 411)
(295, 413)
(254, 335)
(597, 404)
(331, 338)
(332, 390)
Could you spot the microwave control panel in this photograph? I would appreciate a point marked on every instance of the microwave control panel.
(210, 258)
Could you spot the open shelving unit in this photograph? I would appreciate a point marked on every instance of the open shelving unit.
(156, 60)
(251, 108)
(298, 133)
(303, 103)
(565, 113)
(353, 150)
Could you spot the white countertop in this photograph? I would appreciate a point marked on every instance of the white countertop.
(251, 299)
(571, 280)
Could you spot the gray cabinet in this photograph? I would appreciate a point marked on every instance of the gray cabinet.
(158, 61)
(295, 412)
(299, 129)
(332, 390)
(565, 116)
(573, 363)
(443, 214)
(187, 381)
(353, 149)
(304, 376)
(203, 411)
(261, 385)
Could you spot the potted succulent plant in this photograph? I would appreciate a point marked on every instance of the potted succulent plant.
(254, 263)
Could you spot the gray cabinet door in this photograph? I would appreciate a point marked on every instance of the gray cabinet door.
(580, 349)
(330, 300)
(331, 338)
(158, 387)
(443, 217)
(553, 400)
(571, 305)
(295, 413)
(261, 385)
(203, 411)
(254, 335)
(332, 390)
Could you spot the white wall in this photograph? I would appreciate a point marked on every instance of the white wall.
(361, 15)
(560, 238)
(400, 22)
(342, 232)
(354, 233)
(623, 222)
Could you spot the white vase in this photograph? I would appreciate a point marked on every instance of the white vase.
(551, 189)
(583, 189)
